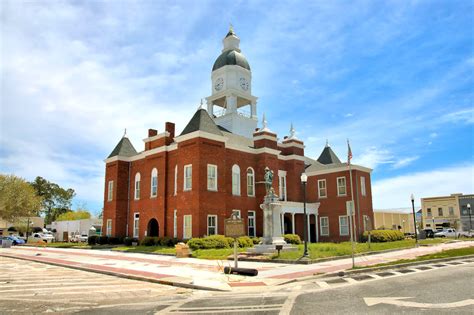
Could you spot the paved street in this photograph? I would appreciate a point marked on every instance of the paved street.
(31, 287)
(205, 274)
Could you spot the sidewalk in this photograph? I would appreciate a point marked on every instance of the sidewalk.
(203, 274)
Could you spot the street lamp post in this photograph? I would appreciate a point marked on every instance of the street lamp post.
(414, 218)
(304, 179)
(470, 221)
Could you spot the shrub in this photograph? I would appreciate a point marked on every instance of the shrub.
(127, 241)
(149, 241)
(195, 243)
(164, 241)
(103, 240)
(256, 240)
(380, 236)
(92, 240)
(209, 242)
(292, 239)
(244, 241)
(115, 240)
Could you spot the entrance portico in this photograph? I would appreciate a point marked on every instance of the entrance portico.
(292, 211)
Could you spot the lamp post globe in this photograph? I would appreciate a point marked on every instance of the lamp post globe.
(304, 180)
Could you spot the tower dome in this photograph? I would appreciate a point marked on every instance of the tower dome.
(231, 57)
(231, 54)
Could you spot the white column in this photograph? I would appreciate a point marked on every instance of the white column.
(210, 108)
(293, 223)
(308, 225)
(317, 227)
(282, 219)
(253, 108)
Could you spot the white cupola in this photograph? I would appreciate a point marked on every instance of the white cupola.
(231, 103)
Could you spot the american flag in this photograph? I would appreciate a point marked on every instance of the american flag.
(349, 152)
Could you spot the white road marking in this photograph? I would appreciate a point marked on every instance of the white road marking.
(398, 301)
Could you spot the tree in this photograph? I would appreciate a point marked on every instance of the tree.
(56, 200)
(74, 215)
(17, 198)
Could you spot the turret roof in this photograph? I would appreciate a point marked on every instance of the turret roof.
(201, 121)
(328, 156)
(123, 148)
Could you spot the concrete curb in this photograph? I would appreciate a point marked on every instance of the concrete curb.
(122, 275)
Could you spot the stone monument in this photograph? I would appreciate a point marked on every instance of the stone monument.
(271, 207)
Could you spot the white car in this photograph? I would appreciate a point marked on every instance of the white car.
(78, 238)
(446, 233)
(37, 237)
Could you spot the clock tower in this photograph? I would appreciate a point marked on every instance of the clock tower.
(231, 103)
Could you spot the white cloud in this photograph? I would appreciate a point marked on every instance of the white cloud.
(373, 157)
(404, 162)
(395, 192)
(464, 115)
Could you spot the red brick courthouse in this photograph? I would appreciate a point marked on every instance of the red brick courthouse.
(185, 185)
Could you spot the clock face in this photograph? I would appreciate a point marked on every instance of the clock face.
(244, 84)
(219, 84)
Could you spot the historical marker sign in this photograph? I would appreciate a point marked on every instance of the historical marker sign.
(234, 227)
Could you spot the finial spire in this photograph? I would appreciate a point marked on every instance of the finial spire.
(125, 133)
(327, 143)
(201, 106)
(292, 132)
(264, 124)
(231, 27)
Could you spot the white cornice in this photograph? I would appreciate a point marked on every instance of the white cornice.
(267, 137)
(158, 136)
(291, 144)
(142, 154)
(298, 207)
(339, 169)
(200, 134)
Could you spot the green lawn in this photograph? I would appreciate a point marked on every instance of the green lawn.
(147, 249)
(60, 245)
(457, 252)
(325, 250)
(222, 253)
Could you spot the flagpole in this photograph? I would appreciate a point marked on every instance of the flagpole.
(352, 229)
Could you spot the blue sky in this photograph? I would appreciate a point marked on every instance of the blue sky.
(395, 77)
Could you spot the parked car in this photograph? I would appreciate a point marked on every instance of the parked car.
(466, 234)
(446, 233)
(15, 239)
(429, 233)
(78, 238)
(37, 237)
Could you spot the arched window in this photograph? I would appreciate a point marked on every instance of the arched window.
(154, 182)
(236, 180)
(250, 182)
(137, 186)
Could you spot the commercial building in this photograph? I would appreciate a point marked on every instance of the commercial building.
(394, 219)
(447, 211)
(185, 185)
(65, 230)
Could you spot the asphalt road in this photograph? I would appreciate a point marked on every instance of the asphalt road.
(32, 288)
(441, 290)
(29, 287)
